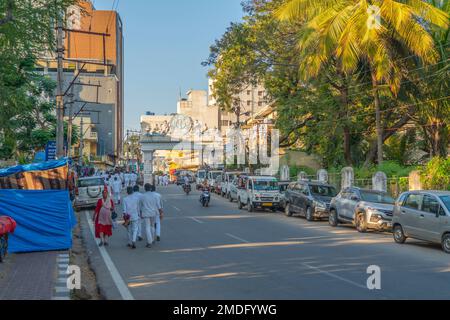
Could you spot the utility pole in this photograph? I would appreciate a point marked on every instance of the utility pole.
(81, 141)
(60, 94)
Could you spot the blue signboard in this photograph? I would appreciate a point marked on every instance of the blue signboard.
(50, 151)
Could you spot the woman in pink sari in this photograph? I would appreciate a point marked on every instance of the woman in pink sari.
(103, 218)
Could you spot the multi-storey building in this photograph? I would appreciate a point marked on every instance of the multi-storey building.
(94, 48)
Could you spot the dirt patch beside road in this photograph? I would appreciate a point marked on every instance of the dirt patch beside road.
(79, 256)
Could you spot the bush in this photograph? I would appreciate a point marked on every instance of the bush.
(436, 174)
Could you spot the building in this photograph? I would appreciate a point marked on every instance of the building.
(198, 107)
(94, 48)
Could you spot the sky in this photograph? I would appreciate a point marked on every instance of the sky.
(165, 44)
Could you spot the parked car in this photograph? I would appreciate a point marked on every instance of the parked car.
(423, 215)
(365, 209)
(213, 175)
(217, 186)
(283, 186)
(227, 181)
(234, 187)
(200, 177)
(259, 192)
(309, 199)
(88, 191)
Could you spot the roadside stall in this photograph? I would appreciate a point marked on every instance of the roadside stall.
(37, 198)
(7, 226)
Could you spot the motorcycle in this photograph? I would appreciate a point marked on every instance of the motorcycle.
(205, 198)
(187, 189)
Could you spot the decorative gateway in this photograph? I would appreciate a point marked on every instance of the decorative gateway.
(7, 226)
(50, 175)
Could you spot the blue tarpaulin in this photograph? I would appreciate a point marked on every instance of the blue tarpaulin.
(45, 219)
(42, 166)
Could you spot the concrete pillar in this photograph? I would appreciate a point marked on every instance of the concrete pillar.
(302, 176)
(285, 174)
(148, 166)
(348, 177)
(415, 181)
(322, 176)
(379, 182)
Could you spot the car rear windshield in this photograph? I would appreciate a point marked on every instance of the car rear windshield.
(215, 174)
(90, 183)
(324, 191)
(377, 197)
(202, 174)
(446, 201)
(266, 185)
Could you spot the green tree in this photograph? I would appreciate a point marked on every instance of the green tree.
(375, 33)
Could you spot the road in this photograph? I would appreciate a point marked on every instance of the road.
(222, 253)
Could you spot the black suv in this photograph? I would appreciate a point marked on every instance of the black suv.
(309, 199)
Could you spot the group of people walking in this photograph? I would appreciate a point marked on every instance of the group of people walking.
(163, 180)
(142, 214)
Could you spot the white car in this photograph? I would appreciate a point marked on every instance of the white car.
(212, 176)
(200, 177)
(227, 182)
(259, 192)
(88, 192)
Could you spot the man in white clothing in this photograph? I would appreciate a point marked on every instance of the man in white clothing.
(133, 178)
(151, 207)
(116, 189)
(158, 216)
(131, 207)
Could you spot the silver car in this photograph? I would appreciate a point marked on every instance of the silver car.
(423, 215)
(88, 192)
(366, 209)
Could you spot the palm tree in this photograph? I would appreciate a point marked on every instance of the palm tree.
(371, 33)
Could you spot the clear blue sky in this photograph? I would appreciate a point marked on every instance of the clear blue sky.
(165, 43)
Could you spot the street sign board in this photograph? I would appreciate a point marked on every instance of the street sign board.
(50, 151)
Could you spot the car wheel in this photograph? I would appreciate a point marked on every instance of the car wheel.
(399, 235)
(360, 222)
(240, 204)
(250, 206)
(309, 214)
(229, 197)
(287, 210)
(333, 218)
(446, 243)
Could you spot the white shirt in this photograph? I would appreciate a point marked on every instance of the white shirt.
(133, 177)
(150, 204)
(117, 185)
(131, 206)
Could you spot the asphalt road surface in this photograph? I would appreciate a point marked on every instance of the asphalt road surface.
(223, 253)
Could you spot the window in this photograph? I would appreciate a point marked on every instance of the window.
(413, 201)
(248, 92)
(430, 205)
(260, 104)
(249, 103)
(446, 201)
(323, 191)
(260, 93)
(377, 197)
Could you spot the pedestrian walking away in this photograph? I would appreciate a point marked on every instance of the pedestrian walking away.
(151, 207)
(159, 216)
(131, 214)
(103, 218)
(117, 189)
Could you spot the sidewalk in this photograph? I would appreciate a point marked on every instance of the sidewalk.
(31, 276)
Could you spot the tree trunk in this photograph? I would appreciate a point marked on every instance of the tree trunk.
(376, 97)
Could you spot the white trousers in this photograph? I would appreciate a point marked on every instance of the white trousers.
(117, 197)
(158, 225)
(133, 231)
(149, 227)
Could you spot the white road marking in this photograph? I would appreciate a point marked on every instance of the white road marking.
(196, 220)
(118, 281)
(237, 238)
(332, 275)
(178, 209)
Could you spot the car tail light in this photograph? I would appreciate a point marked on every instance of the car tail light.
(76, 191)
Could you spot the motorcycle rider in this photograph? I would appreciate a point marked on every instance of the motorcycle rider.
(187, 183)
(204, 187)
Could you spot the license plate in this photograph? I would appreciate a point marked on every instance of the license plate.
(267, 204)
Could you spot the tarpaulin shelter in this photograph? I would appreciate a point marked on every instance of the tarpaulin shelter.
(45, 219)
(36, 196)
(50, 175)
